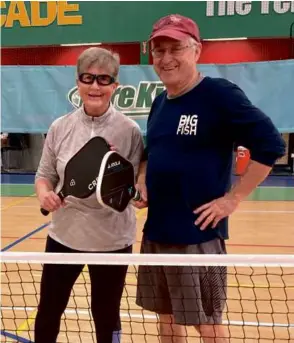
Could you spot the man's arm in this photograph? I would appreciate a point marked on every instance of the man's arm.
(137, 147)
(141, 176)
(141, 185)
(250, 128)
(255, 174)
(142, 172)
(254, 130)
(214, 211)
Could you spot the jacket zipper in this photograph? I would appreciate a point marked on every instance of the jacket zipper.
(92, 128)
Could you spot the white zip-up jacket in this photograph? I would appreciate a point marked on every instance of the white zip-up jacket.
(83, 224)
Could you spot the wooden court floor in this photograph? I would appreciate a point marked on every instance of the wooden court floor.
(256, 228)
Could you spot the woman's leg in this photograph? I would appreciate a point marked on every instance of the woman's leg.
(56, 285)
(107, 284)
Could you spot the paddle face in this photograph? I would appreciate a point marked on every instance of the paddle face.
(80, 175)
(115, 183)
(82, 169)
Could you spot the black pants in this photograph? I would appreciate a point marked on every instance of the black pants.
(107, 283)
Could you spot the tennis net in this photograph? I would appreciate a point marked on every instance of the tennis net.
(259, 302)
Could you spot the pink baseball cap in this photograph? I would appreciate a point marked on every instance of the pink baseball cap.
(175, 26)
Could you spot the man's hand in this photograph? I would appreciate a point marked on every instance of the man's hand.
(220, 208)
(141, 186)
(143, 202)
(216, 210)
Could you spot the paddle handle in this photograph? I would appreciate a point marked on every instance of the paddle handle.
(45, 212)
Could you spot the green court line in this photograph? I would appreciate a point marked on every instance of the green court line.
(17, 190)
(260, 194)
(272, 194)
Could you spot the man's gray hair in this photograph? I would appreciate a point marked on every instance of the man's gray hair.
(193, 42)
(101, 58)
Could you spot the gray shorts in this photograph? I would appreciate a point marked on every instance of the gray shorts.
(194, 295)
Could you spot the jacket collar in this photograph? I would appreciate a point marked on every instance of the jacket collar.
(89, 120)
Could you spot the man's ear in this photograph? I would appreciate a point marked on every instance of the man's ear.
(198, 51)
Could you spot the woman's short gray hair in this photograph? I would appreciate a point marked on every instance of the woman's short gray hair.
(98, 57)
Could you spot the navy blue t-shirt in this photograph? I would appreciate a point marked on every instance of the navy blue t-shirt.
(190, 143)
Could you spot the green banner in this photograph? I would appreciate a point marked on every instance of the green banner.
(27, 23)
(34, 96)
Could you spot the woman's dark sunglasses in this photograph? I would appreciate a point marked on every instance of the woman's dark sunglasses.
(102, 79)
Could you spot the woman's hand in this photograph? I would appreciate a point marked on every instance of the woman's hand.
(50, 201)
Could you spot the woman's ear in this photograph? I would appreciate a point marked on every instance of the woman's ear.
(115, 85)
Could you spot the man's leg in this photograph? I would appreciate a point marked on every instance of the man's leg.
(169, 331)
(198, 294)
(212, 333)
(175, 333)
(213, 286)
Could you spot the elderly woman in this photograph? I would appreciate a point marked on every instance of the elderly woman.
(82, 225)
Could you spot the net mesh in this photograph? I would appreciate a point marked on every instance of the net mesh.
(259, 305)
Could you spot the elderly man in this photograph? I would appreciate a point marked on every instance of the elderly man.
(185, 180)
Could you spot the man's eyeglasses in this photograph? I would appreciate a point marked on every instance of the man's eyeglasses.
(174, 51)
(102, 79)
